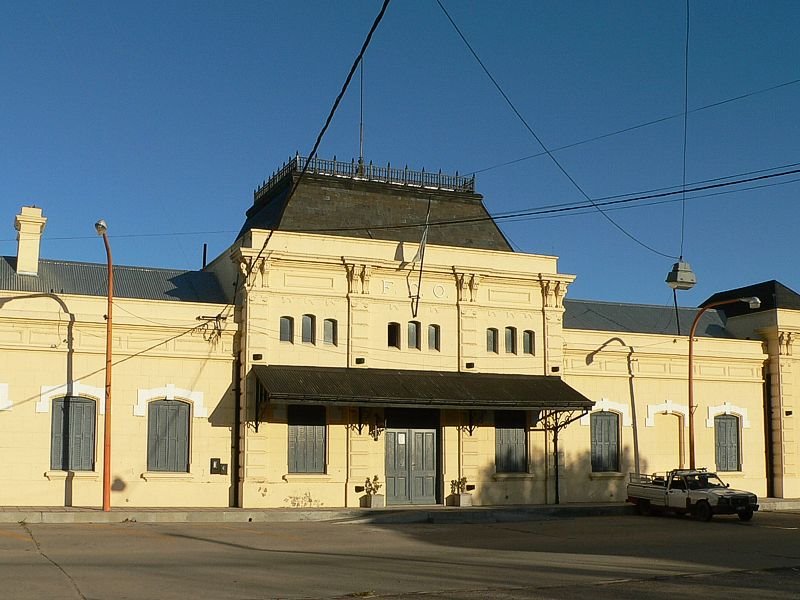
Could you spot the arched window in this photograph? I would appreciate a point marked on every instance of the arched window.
(491, 340)
(605, 441)
(414, 340)
(72, 441)
(309, 329)
(330, 332)
(528, 339)
(287, 329)
(511, 340)
(168, 436)
(393, 335)
(434, 338)
(726, 441)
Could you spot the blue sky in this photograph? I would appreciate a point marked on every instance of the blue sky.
(161, 117)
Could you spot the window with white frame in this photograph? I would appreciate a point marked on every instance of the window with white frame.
(393, 335)
(434, 337)
(287, 329)
(72, 434)
(168, 436)
(528, 339)
(726, 442)
(330, 332)
(414, 341)
(604, 428)
(511, 340)
(491, 340)
(309, 329)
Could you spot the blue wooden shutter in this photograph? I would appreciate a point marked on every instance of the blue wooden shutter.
(57, 438)
(82, 435)
(511, 454)
(306, 439)
(726, 434)
(168, 436)
(605, 441)
(72, 435)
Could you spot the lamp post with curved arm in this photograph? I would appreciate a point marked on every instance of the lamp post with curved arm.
(102, 229)
(754, 303)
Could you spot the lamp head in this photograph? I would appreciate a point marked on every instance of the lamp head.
(681, 277)
(753, 302)
(101, 227)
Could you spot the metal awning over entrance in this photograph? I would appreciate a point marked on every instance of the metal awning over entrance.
(416, 389)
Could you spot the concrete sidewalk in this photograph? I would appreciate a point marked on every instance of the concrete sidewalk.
(423, 514)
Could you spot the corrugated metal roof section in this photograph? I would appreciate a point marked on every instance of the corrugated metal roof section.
(421, 389)
(640, 318)
(89, 279)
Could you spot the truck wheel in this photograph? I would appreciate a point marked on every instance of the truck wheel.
(643, 508)
(702, 511)
(746, 515)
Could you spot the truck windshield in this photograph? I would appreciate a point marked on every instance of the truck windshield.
(702, 481)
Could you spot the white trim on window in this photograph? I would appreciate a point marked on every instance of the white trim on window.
(666, 408)
(76, 389)
(606, 405)
(726, 408)
(169, 392)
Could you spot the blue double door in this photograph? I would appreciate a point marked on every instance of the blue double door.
(412, 456)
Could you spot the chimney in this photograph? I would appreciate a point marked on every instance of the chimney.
(30, 225)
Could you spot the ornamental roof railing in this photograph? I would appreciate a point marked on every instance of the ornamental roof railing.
(368, 172)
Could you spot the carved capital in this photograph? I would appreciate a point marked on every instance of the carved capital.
(560, 292)
(785, 342)
(255, 272)
(350, 271)
(474, 282)
(461, 286)
(366, 273)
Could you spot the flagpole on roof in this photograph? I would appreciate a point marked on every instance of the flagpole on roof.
(421, 256)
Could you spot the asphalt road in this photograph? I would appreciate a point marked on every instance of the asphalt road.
(598, 557)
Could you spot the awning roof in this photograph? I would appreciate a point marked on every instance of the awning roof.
(417, 389)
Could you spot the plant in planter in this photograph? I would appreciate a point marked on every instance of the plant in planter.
(458, 493)
(373, 499)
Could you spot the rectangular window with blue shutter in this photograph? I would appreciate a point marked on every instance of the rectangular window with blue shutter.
(72, 435)
(726, 442)
(168, 436)
(511, 448)
(605, 442)
(306, 439)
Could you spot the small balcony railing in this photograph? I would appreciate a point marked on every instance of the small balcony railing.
(369, 172)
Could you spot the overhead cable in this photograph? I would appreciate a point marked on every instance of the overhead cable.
(542, 144)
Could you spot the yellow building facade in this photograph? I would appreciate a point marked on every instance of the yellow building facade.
(341, 338)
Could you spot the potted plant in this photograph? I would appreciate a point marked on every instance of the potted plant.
(373, 499)
(458, 493)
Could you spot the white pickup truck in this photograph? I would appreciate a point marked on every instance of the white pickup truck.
(693, 491)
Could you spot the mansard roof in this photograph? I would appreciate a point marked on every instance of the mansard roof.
(90, 279)
(345, 199)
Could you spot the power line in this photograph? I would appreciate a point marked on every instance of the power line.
(511, 215)
(553, 209)
(639, 126)
(685, 132)
(332, 112)
(541, 143)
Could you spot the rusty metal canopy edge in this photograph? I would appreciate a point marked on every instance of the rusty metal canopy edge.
(421, 389)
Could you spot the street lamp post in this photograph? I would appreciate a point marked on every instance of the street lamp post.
(102, 229)
(754, 303)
